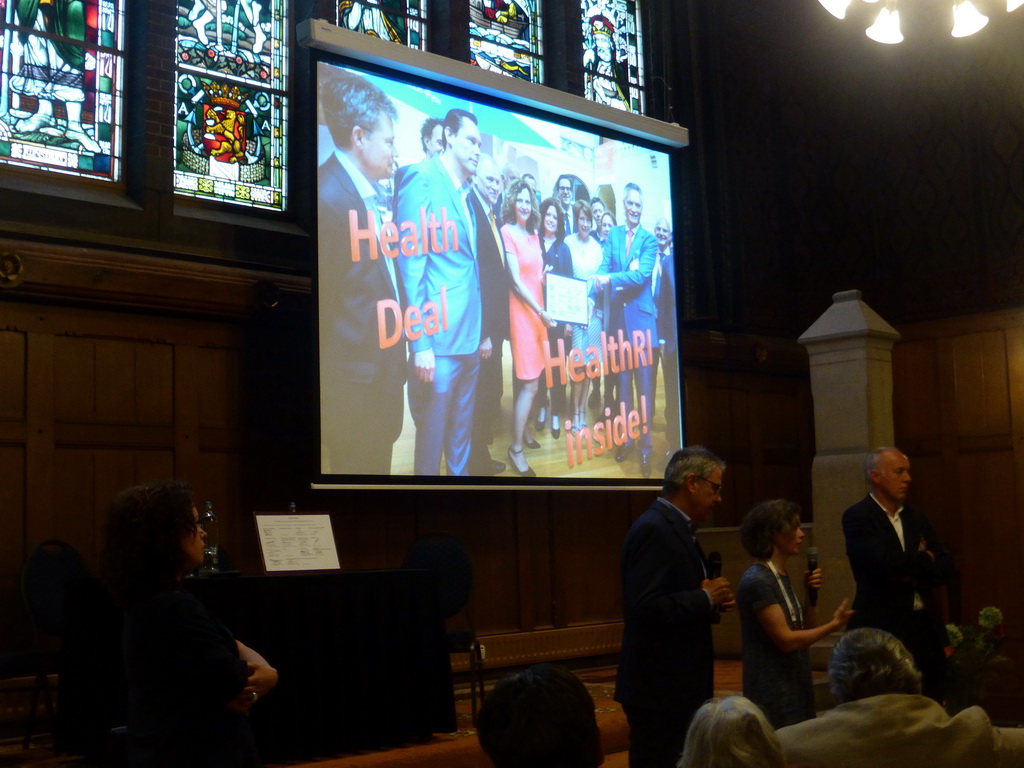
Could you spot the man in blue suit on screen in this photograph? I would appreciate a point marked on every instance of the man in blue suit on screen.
(629, 257)
(442, 280)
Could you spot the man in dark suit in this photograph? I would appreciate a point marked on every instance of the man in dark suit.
(898, 560)
(629, 256)
(494, 292)
(361, 383)
(566, 199)
(446, 363)
(666, 668)
(663, 287)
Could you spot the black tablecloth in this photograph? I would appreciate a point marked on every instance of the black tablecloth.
(361, 656)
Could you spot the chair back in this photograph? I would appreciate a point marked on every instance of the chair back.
(446, 555)
(48, 570)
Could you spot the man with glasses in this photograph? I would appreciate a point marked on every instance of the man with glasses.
(566, 199)
(898, 561)
(666, 668)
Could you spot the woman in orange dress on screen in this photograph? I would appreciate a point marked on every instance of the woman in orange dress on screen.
(529, 322)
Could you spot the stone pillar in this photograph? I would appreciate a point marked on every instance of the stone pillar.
(850, 349)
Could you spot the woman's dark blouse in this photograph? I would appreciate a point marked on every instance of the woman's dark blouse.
(183, 668)
(778, 682)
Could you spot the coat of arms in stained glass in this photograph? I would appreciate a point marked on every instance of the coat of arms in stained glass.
(231, 118)
(505, 37)
(612, 54)
(61, 65)
(399, 21)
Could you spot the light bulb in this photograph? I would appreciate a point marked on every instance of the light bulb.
(886, 28)
(967, 19)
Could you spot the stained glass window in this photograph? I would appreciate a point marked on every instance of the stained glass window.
(61, 64)
(505, 37)
(613, 68)
(400, 21)
(232, 117)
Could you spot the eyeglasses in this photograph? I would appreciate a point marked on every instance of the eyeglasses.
(716, 488)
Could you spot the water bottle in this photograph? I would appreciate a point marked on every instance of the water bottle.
(208, 522)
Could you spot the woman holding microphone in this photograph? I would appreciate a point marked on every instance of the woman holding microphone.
(778, 627)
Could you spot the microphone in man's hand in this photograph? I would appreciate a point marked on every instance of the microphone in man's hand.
(812, 566)
(714, 565)
(715, 572)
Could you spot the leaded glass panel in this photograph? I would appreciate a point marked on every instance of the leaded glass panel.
(232, 117)
(613, 54)
(61, 65)
(505, 37)
(399, 21)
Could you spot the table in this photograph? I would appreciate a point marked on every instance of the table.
(361, 656)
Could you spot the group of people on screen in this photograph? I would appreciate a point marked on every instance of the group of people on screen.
(425, 270)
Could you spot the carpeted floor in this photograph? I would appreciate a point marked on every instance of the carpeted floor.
(449, 750)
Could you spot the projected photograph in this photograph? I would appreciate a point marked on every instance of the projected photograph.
(496, 291)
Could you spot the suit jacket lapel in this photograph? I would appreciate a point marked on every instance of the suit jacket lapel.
(457, 210)
(682, 530)
(349, 186)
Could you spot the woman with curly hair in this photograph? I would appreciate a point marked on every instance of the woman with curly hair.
(190, 683)
(528, 319)
(776, 626)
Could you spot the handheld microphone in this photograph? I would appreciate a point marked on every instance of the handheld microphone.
(812, 565)
(714, 565)
(714, 572)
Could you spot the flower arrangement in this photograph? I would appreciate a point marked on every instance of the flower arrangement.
(972, 658)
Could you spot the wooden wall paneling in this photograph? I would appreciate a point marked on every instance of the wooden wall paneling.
(982, 387)
(534, 556)
(77, 509)
(187, 383)
(994, 562)
(586, 539)
(490, 533)
(967, 459)
(40, 456)
(782, 461)
(916, 407)
(13, 630)
(486, 523)
(729, 436)
(12, 376)
(13, 343)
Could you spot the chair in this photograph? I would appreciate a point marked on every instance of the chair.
(445, 554)
(49, 568)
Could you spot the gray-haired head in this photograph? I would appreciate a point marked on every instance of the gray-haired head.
(692, 460)
(731, 733)
(874, 458)
(869, 662)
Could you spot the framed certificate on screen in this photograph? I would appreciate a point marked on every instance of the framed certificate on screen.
(565, 298)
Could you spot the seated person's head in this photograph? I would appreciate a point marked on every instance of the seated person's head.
(542, 717)
(731, 733)
(869, 662)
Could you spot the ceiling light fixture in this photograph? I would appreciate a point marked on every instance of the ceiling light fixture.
(966, 18)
